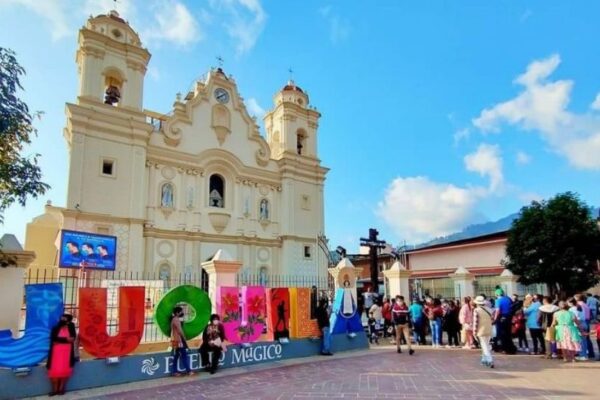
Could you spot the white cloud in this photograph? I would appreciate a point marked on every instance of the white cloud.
(53, 11)
(254, 108)
(339, 27)
(418, 209)
(174, 23)
(461, 134)
(244, 21)
(487, 162)
(153, 73)
(542, 107)
(523, 158)
(596, 103)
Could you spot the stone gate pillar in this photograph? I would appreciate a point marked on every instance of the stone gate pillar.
(222, 270)
(463, 283)
(15, 261)
(509, 282)
(398, 277)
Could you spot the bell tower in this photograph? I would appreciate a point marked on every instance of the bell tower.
(292, 126)
(112, 62)
(107, 134)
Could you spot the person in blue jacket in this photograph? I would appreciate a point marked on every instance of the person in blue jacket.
(531, 308)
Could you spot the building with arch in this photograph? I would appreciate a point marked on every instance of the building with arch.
(177, 185)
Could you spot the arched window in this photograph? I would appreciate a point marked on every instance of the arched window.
(216, 190)
(113, 86)
(300, 141)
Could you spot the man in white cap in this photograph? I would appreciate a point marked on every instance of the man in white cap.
(482, 328)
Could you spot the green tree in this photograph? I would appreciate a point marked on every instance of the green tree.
(20, 175)
(556, 242)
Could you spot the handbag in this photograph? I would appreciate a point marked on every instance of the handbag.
(216, 342)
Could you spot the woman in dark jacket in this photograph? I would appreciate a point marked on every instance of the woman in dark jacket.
(213, 340)
(61, 357)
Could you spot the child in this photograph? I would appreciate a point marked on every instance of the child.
(518, 330)
(482, 327)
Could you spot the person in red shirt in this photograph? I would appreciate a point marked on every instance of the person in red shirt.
(434, 313)
(401, 318)
(386, 312)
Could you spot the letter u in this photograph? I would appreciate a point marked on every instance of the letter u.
(92, 321)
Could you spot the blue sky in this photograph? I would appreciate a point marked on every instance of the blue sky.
(435, 115)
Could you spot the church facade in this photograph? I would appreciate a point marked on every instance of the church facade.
(177, 186)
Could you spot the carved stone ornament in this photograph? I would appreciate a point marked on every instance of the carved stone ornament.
(219, 220)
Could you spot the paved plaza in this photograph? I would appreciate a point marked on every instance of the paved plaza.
(379, 373)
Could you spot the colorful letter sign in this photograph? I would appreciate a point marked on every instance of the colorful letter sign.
(192, 295)
(247, 326)
(278, 313)
(44, 308)
(92, 321)
(301, 326)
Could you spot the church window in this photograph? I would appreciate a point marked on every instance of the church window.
(216, 191)
(108, 167)
(301, 141)
(307, 251)
(113, 86)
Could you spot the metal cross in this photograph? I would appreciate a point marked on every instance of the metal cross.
(220, 61)
(291, 71)
(115, 1)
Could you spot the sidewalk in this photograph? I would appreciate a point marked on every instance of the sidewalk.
(378, 373)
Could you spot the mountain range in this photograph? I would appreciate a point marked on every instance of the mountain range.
(485, 228)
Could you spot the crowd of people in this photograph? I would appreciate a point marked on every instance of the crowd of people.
(536, 324)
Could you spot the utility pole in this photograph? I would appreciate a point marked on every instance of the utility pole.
(374, 245)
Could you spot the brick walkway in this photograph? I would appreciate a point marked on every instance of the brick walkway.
(380, 374)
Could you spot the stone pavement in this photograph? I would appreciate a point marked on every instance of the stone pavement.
(379, 373)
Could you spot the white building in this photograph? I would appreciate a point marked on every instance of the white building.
(175, 186)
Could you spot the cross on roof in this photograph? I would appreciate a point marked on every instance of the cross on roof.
(220, 61)
(291, 71)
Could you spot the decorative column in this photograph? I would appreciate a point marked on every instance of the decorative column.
(345, 275)
(398, 277)
(509, 282)
(463, 283)
(222, 270)
(14, 261)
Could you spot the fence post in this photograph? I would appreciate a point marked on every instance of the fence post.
(12, 278)
(222, 270)
(398, 277)
(463, 283)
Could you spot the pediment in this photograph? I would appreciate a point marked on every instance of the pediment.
(213, 115)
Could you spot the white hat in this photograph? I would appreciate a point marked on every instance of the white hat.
(479, 300)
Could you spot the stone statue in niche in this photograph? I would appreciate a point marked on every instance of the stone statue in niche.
(264, 210)
(215, 199)
(166, 199)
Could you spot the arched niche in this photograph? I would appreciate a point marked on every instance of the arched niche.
(221, 122)
(301, 138)
(114, 80)
(216, 191)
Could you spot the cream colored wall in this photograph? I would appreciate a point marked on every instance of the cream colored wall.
(120, 195)
(41, 235)
(191, 145)
(477, 255)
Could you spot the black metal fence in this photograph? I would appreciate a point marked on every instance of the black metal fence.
(155, 284)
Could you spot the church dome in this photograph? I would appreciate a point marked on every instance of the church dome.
(292, 86)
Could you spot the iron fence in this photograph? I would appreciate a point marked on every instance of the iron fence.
(325, 285)
(155, 284)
